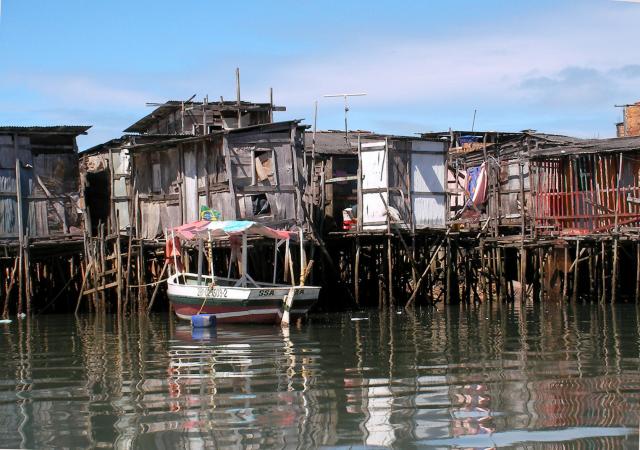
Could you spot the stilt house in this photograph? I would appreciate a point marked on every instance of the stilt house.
(40, 218)
(150, 181)
(383, 181)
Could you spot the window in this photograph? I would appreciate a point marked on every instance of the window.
(260, 205)
(263, 166)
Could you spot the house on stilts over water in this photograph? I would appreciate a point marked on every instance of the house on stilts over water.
(545, 216)
(227, 156)
(41, 219)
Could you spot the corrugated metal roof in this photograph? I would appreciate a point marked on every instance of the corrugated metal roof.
(52, 129)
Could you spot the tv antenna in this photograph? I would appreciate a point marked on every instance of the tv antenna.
(346, 109)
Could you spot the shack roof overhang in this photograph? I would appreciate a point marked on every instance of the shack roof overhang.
(588, 146)
(172, 142)
(129, 140)
(172, 106)
(447, 134)
(333, 143)
(72, 130)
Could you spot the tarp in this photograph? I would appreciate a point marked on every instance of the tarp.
(228, 228)
(477, 184)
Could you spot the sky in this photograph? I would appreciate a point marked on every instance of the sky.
(556, 66)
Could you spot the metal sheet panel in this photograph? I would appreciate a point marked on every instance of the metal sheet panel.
(428, 183)
(375, 164)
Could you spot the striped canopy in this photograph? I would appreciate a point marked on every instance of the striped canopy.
(228, 228)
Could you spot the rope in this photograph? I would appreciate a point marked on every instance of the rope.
(206, 297)
(148, 284)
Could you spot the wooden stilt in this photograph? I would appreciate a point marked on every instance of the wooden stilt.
(592, 273)
(576, 274)
(20, 224)
(118, 266)
(565, 281)
(637, 271)
(614, 272)
(390, 271)
(7, 294)
(502, 274)
(523, 273)
(158, 283)
(604, 273)
(356, 275)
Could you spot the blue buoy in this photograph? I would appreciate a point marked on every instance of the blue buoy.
(203, 320)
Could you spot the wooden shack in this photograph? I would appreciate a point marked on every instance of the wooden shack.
(386, 181)
(41, 221)
(587, 187)
(158, 182)
(381, 199)
(143, 185)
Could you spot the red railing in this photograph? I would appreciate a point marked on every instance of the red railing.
(587, 211)
(581, 195)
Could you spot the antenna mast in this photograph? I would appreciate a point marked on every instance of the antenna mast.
(346, 110)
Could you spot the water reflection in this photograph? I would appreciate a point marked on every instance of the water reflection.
(546, 376)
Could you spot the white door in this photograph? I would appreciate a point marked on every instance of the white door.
(375, 180)
(428, 181)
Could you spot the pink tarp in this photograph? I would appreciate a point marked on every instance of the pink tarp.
(228, 228)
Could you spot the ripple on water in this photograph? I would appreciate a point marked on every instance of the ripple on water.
(446, 379)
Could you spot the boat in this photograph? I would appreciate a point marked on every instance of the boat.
(236, 300)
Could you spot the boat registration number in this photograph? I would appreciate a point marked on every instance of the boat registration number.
(265, 292)
(270, 292)
(212, 292)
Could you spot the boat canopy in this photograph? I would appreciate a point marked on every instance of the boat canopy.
(226, 228)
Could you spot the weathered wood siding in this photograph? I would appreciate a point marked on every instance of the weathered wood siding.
(49, 187)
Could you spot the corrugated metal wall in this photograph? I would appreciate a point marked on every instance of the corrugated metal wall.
(428, 183)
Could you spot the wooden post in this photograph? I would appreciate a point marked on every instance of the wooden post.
(200, 259)
(447, 267)
(21, 274)
(118, 264)
(390, 271)
(523, 273)
(483, 270)
(142, 290)
(565, 273)
(360, 212)
(158, 283)
(227, 159)
(503, 274)
(238, 96)
(523, 217)
(576, 273)
(356, 276)
(592, 274)
(604, 273)
(614, 274)
(637, 272)
(7, 294)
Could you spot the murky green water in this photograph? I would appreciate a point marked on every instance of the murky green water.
(543, 377)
